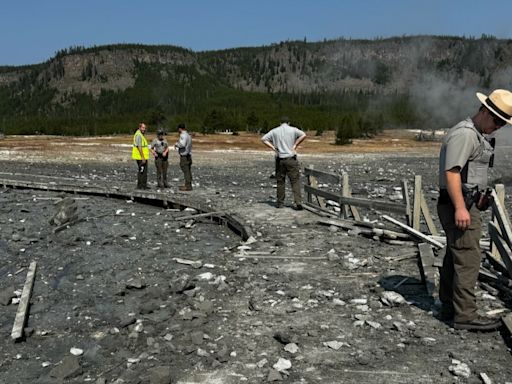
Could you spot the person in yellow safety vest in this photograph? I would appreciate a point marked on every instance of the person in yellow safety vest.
(140, 153)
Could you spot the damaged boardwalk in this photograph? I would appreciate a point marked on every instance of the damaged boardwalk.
(154, 293)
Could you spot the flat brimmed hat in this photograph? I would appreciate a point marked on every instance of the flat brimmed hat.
(498, 102)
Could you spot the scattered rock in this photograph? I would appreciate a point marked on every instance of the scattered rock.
(274, 375)
(6, 295)
(160, 375)
(292, 348)
(68, 368)
(391, 298)
(459, 369)
(282, 365)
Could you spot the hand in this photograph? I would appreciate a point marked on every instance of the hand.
(462, 218)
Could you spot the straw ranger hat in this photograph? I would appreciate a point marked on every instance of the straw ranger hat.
(499, 102)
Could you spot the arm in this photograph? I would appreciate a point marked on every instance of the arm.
(270, 145)
(299, 141)
(454, 187)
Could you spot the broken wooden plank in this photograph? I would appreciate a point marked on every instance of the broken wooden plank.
(502, 218)
(427, 271)
(337, 222)
(356, 201)
(327, 176)
(426, 214)
(21, 314)
(507, 322)
(416, 210)
(414, 232)
(496, 264)
(502, 246)
(245, 256)
(199, 215)
(319, 211)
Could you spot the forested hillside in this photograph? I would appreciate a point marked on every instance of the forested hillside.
(355, 86)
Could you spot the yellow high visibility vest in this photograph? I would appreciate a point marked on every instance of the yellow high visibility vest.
(135, 150)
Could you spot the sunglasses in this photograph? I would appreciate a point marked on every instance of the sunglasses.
(498, 121)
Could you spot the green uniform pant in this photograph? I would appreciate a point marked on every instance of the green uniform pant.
(461, 264)
(290, 167)
(161, 171)
(186, 165)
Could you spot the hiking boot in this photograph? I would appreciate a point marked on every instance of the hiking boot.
(480, 323)
(298, 207)
(279, 205)
(184, 188)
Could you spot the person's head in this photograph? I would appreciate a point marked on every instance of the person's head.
(160, 133)
(495, 111)
(142, 127)
(285, 120)
(182, 127)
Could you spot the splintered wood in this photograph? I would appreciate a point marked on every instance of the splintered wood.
(21, 314)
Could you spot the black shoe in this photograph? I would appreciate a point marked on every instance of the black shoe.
(479, 324)
(279, 205)
(298, 207)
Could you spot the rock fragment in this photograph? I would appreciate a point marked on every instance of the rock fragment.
(68, 368)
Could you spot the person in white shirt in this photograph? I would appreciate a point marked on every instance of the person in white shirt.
(284, 141)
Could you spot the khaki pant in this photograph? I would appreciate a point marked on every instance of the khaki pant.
(290, 167)
(161, 171)
(461, 263)
(142, 174)
(186, 165)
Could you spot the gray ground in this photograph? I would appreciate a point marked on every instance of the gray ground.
(111, 286)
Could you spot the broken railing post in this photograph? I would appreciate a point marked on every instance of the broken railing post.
(407, 202)
(21, 314)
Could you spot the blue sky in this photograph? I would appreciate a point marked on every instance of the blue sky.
(31, 31)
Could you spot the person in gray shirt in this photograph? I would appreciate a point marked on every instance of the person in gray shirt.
(284, 141)
(463, 162)
(184, 147)
(160, 150)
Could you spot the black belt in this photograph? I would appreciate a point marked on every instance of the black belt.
(444, 196)
(287, 158)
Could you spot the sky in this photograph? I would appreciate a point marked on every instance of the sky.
(32, 31)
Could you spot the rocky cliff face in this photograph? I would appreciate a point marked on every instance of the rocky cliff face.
(383, 66)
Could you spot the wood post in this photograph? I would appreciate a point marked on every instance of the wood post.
(405, 194)
(416, 212)
(347, 193)
(21, 314)
(500, 192)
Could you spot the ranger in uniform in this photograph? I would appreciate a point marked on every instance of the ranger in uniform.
(463, 164)
(160, 150)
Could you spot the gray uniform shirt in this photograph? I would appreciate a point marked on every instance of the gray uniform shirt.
(283, 138)
(462, 144)
(184, 144)
(159, 146)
